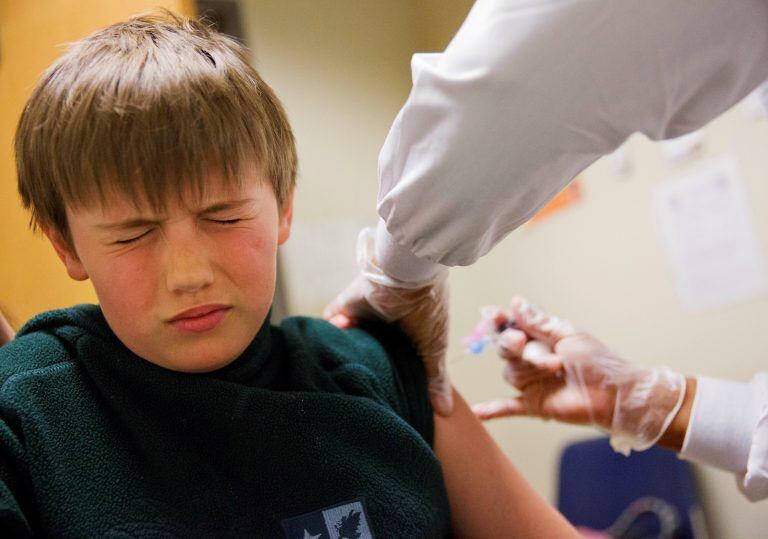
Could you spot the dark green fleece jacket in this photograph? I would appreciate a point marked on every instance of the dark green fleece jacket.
(312, 432)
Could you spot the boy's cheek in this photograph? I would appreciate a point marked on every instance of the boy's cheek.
(248, 255)
(127, 286)
(131, 316)
(250, 267)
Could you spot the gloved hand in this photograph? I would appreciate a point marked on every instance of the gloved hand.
(568, 375)
(419, 309)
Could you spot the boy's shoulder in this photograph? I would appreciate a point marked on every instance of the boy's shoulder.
(45, 342)
(372, 345)
(374, 360)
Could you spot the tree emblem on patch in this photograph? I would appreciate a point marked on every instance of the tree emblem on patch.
(349, 525)
(348, 520)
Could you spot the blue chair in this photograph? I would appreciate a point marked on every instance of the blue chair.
(648, 494)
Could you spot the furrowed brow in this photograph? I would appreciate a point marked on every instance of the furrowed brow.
(129, 223)
(224, 206)
(142, 222)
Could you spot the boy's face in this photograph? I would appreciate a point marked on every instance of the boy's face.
(187, 289)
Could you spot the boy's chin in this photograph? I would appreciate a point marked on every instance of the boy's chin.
(201, 365)
(199, 357)
(200, 360)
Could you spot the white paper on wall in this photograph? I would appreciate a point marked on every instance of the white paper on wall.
(709, 236)
(318, 261)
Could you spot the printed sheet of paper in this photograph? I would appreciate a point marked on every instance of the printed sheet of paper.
(709, 236)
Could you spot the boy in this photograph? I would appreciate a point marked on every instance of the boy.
(161, 167)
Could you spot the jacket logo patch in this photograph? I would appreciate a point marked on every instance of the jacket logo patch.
(345, 521)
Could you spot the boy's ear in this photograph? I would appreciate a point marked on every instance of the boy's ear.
(286, 218)
(67, 254)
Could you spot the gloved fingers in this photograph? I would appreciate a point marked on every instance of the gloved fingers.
(523, 375)
(511, 344)
(512, 406)
(337, 315)
(538, 324)
(544, 367)
(335, 306)
(539, 354)
(441, 392)
(527, 361)
(350, 306)
(341, 321)
(514, 346)
(548, 399)
(331, 310)
(521, 380)
(557, 400)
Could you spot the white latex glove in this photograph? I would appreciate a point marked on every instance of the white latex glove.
(568, 375)
(419, 309)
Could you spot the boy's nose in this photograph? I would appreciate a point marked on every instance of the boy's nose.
(188, 269)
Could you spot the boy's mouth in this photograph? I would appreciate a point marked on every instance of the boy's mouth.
(199, 319)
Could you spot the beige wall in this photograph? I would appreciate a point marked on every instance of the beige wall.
(342, 69)
(32, 33)
(436, 21)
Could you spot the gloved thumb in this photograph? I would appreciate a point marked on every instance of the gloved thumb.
(349, 306)
(538, 324)
(337, 315)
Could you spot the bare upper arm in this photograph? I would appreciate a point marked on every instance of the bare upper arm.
(487, 494)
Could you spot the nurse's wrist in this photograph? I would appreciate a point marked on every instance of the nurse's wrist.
(674, 436)
(401, 264)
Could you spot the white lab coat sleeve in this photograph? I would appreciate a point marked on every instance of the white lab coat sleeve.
(728, 429)
(531, 92)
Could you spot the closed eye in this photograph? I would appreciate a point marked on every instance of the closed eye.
(133, 239)
(226, 221)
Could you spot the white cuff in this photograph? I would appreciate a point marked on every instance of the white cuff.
(398, 262)
(722, 421)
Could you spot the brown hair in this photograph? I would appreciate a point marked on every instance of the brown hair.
(144, 108)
